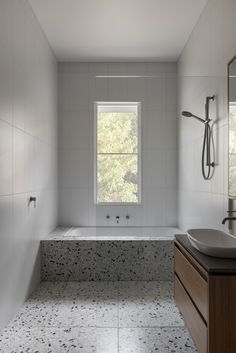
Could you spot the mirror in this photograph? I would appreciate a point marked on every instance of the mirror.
(232, 126)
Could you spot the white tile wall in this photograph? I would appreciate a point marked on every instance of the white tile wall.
(28, 151)
(6, 143)
(79, 87)
(202, 70)
(6, 256)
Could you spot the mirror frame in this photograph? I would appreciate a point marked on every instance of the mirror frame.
(230, 197)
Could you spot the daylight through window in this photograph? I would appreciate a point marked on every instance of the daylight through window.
(117, 175)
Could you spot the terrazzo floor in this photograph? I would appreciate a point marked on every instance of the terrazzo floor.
(101, 317)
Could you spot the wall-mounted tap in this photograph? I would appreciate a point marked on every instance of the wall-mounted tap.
(32, 199)
(229, 218)
(117, 219)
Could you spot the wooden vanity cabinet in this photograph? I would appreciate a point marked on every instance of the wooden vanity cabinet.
(206, 297)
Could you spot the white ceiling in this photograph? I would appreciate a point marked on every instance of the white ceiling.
(116, 30)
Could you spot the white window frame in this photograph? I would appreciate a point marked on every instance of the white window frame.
(109, 104)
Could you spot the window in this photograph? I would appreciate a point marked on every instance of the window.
(117, 157)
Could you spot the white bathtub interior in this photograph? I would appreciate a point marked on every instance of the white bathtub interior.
(122, 233)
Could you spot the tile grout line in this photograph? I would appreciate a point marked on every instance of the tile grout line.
(117, 328)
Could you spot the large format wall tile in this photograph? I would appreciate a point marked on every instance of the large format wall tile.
(82, 84)
(28, 151)
(202, 71)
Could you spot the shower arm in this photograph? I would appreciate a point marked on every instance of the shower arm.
(200, 119)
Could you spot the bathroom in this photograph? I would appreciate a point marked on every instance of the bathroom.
(95, 203)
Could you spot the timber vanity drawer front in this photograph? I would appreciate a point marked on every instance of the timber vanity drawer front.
(196, 325)
(205, 292)
(193, 282)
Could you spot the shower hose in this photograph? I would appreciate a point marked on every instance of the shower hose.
(206, 154)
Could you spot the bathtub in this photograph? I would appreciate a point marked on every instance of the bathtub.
(122, 233)
(108, 254)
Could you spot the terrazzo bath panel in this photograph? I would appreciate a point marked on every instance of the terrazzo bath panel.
(102, 259)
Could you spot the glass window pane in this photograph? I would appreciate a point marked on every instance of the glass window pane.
(232, 174)
(117, 132)
(117, 178)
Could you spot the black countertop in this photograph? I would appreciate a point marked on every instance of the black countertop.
(213, 265)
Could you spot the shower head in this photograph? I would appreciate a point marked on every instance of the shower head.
(190, 115)
(187, 114)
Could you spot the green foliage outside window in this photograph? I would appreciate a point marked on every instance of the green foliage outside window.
(117, 157)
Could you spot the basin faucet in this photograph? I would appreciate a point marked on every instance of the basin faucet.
(229, 218)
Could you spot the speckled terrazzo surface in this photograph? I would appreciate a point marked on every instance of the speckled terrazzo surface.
(101, 317)
(72, 259)
(114, 233)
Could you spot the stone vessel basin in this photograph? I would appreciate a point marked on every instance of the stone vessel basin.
(213, 242)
